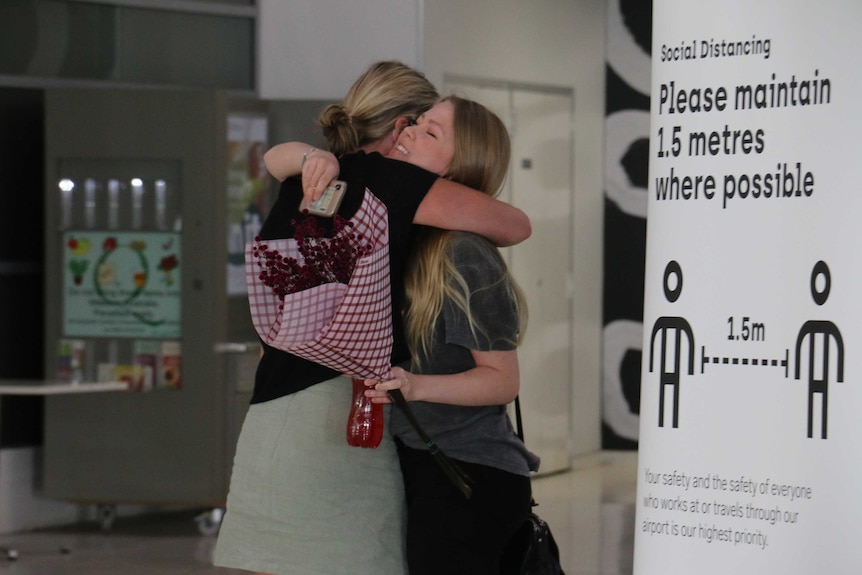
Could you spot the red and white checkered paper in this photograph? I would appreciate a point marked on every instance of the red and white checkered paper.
(347, 328)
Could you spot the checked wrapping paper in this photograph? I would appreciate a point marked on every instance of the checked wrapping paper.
(347, 328)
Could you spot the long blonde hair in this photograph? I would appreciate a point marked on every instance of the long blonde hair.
(481, 161)
(387, 91)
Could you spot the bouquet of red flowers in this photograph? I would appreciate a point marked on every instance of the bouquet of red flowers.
(327, 299)
(324, 259)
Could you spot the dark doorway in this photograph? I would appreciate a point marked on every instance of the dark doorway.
(22, 203)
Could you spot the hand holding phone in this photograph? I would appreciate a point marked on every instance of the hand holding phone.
(327, 204)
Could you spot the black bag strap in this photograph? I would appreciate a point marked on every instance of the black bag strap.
(518, 419)
(520, 426)
(452, 470)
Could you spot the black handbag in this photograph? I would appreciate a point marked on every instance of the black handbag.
(532, 550)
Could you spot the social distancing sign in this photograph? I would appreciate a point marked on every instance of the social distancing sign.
(750, 446)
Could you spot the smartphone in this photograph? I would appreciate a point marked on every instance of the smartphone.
(327, 204)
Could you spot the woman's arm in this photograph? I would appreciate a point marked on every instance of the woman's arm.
(318, 167)
(285, 160)
(453, 206)
(447, 205)
(494, 381)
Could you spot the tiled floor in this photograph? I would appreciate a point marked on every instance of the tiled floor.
(590, 510)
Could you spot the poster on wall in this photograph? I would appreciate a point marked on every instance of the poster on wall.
(246, 194)
(121, 284)
(750, 451)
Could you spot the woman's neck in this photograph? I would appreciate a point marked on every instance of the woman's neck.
(384, 145)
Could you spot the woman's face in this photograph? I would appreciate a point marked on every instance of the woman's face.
(430, 142)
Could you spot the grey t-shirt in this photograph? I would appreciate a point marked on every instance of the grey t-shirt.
(476, 434)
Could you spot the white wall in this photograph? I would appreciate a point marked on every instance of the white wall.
(551, 43)
(314, 49)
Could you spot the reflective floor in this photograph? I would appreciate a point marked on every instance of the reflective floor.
(590, 510)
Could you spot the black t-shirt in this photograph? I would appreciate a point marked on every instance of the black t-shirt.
(401, 187)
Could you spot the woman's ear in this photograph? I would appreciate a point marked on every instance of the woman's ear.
(400, 124)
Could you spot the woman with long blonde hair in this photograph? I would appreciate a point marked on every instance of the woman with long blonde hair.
(465, 317)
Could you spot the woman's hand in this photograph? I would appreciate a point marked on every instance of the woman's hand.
(494, 381)
(319, 168)
(378, 391)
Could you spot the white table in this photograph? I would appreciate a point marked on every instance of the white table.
(47, 387)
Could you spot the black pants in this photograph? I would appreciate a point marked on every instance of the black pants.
(448, 534)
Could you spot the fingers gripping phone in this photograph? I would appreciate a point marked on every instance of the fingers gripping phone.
(327, 204)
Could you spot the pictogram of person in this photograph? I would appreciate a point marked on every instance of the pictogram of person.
(811, 329)
(678, 326)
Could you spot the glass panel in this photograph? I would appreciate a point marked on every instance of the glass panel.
(56, 39)
(240, 2)
(120, 195)
(121, 244)
(185, 49)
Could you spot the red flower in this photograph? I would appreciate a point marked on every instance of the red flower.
(168, 263)
(324, 259)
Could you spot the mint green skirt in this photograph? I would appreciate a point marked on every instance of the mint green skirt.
(303, 501)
